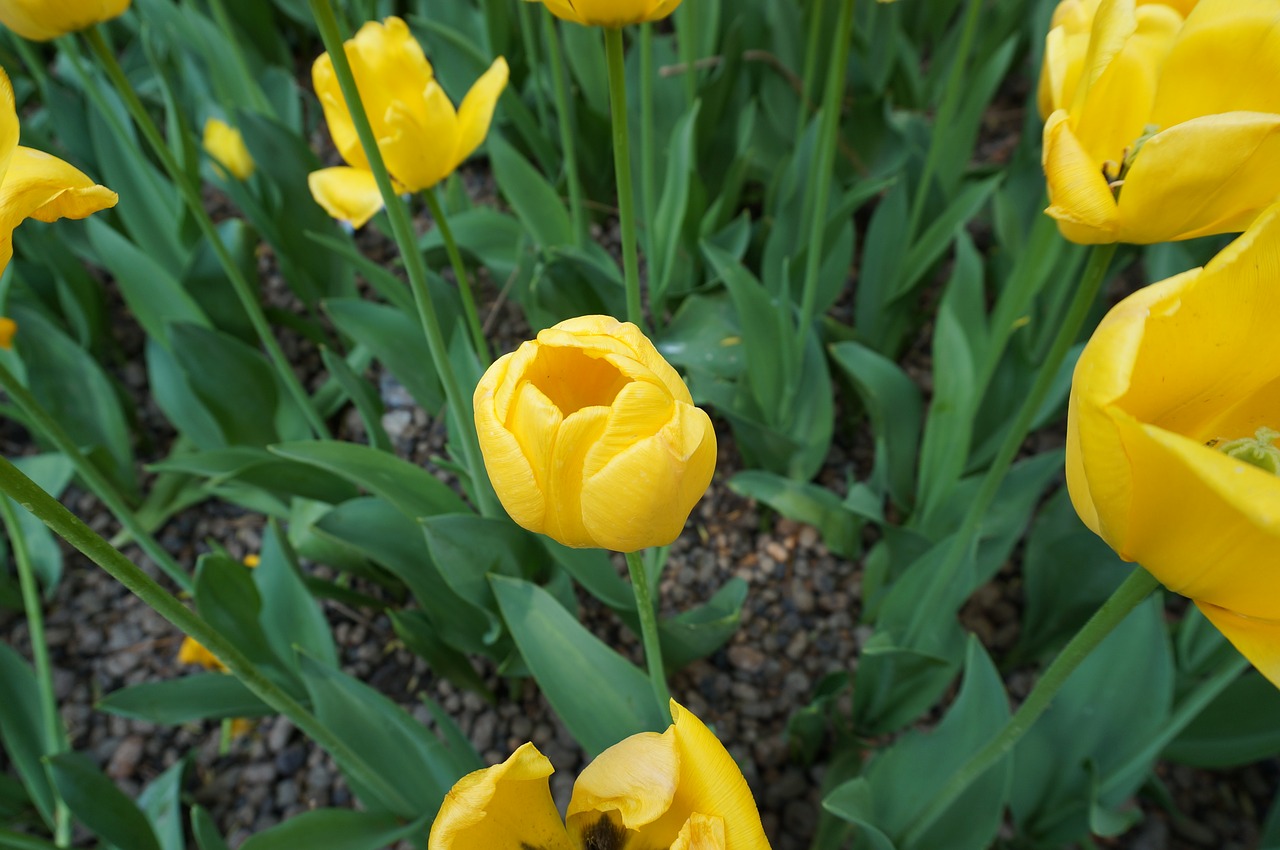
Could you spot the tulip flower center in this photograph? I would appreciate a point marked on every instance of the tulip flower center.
(572, 379)
(604, 834)
(1259, 450)
(1116, 174)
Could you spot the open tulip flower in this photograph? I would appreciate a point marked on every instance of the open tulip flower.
(1171, 454)
(610, 13)
(36, 185)
(421, 136)
(41, 20)
(1159, 128)
(679, 790)
(591, 438)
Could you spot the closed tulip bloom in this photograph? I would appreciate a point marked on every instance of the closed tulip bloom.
(1158, 127)
(680, 790)
(591, 438)
(37, 185)
(41, 20)
(226, 146)
(421, 136)
(610, 13)
(1171, 454)
(8, 330)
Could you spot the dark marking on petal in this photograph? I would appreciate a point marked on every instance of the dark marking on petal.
(527, 846)
(604, 834)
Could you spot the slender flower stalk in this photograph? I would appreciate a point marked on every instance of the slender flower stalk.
(622, 168)
(649, 630)
(24, 491)
(564, 116)
(687, 38)
(402, 229)
(460, 272)
(191, 194)
(54, 732)
(1137, 587)
(648, 148)
(965, 537)
(47, 426)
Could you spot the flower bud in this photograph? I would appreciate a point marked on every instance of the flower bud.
(226, 146)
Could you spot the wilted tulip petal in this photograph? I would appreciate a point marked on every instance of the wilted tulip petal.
(679, 789)
(1175, 372)
(1159, 128)
(420, 135)
(41, 20)
(591, 438)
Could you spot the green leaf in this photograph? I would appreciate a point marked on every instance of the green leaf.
(53, 473)
(535, 201)
(336, 829)
(803, 502)
(934, 241)
(362, 394)
(569, 662)
(420, 636)
(410, 488)
(668, 220)
(396, 341)
(205, 830)
(233, 381)
(202, 696)
(15, 841)
(161, 802)
(700, 631)
(22, 728)
(228, 600)
(1237, 728)
(99, 804)
(260, 468)
(290, 615)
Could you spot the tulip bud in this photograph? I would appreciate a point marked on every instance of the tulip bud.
(8, 330)
(225, 144)
(591, 438)
(611, 13)
(42, 20)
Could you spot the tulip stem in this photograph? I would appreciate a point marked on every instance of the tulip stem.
(818, 190)
(459, 406)
(191, 194)
(55, 734)
(941, 135)
(101, 486)
(70, 528)
(622, 169)
(564, 116)
(1137, 587)
(649, 631)
(816, 10)
(648, 147)
(965, 537)
(460, 272)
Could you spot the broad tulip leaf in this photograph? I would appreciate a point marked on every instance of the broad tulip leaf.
(668, 220)
(257, 467)
(99, 804)
(410, 488)
(1237, 728)
(422, 639)
(53, 472)
(934, 241)
(201, 696)
(803, 502)
(703, 339)
(175, 397)
(205, 830)
(568, 661)
(205, 278)
(854, 801)
(228, 600)
(700, 631)
(336, 829)
(230, 378)
(396, 341)
(490, 237)
(291, 617)
(16, 841)
(22, 728)
(882, 263)
(535, 201)
(419, 765)
(161, 802)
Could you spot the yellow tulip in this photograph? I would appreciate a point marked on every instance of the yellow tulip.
(1177, 373)
(41, 20)
(421, 136)
(591, 438)
(8, 330)
(610, 13)
(192, 651)
(1159, 128)
(37, 185)
(680, 789)
(226, 146)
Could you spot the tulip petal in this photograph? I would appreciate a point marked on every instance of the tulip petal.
(41, 20)
(535, 422)
(347, 194)
(638, 412)
(419, 143)
(41, 186)
(509, 470)
(476, 111)
(1208, 175)
(636, 778)
(605, 333)
(504, 807)
(564, 520)
(1226, 59)
(9, 128)
(564, 10)
(701, 833)
(1079, 197)
(611, 13)
(1258, 640)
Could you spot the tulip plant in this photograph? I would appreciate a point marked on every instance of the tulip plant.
(982, 293)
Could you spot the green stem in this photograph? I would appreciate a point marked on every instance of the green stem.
(94, 479)
(648, 148)
(1137, 587)
(649, 631)
(460, 272)
(415, 267)
(1188, 710)
(564, 116)
(941, 135)
(247, 78)
(964, 538)
(818, 190)
(70, 528)
(622, 168)
(687, 39)
(816, 11)
(191, 194)
(55, 735)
